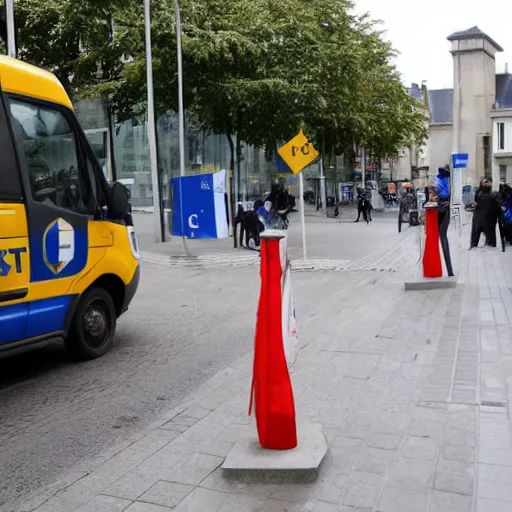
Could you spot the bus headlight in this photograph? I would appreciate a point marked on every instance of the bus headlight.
(133, 242)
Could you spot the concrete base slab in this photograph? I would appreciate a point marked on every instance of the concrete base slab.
(439, 283)
(248, 459)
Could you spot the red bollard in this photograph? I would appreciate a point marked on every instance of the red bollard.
(432, 266)
(271, 391)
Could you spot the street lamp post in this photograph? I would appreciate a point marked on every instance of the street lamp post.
(11, 31)
(151, 118)
(181, 109)
(153, 155)
(181, 115)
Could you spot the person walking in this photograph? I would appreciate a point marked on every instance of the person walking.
(485, 216)
(364, 204)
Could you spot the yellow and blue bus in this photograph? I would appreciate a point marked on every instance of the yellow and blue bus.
(69, 261)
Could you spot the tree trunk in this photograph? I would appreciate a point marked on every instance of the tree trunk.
(233, 213)
(160, 184)
(238, 167)
(231, 152)
(111, 127)
(238, 182)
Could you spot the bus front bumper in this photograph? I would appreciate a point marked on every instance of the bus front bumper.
(131, 289)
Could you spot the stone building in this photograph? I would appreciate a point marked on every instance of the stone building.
(474, 117)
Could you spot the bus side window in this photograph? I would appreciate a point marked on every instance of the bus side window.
(52, 154)
(10, 183)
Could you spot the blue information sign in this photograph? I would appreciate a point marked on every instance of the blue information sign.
(199, 209)
(460, 160)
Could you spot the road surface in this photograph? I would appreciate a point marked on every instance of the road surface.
(183, 327)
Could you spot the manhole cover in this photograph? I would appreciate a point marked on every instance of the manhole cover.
(490, 403)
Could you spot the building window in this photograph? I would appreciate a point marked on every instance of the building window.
(501, 136)
(503, 174)
(487, 156)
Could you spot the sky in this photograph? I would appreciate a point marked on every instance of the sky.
(418, 30)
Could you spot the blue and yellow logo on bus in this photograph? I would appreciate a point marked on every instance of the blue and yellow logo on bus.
(58, 245)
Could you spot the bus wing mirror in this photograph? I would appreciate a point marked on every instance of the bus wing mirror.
(119, 204)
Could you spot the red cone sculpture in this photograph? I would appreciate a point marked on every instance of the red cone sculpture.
(432, 266)
(272, 392)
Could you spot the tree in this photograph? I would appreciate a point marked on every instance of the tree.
(314, 64)
(254, 69)
(73, 38)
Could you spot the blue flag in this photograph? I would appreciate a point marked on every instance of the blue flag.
(281, 165)
(199, 208)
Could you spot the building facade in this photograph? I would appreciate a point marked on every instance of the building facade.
(475, 117)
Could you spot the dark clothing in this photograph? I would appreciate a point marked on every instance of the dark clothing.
(506, 207)
(252, 227)
(279, 199)
(283, 201)
(444, 215)
(485, 217)
(364, 205)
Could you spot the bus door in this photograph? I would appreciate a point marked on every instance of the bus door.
(59, 179)
(14, 246)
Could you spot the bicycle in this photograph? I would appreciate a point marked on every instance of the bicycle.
(282, 221)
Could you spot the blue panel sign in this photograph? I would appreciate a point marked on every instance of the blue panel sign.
(281, 165)
(199, 208)
(460, 160)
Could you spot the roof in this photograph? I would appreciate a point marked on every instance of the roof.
(474, 33)
(18, 77)
(416, 92)
(441, 106)
(503, 91)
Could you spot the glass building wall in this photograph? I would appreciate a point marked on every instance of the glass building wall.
(204, 152)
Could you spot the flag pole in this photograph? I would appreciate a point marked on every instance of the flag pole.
(302, 216)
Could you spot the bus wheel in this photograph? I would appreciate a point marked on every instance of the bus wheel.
(94, 325)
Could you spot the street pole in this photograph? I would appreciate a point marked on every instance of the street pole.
(152, 127)
(157, 212)
(323, 192)
(181, 115)
(363, 167)
(11, 29)
(302, 216)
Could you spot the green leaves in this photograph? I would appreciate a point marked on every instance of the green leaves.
(258, 69)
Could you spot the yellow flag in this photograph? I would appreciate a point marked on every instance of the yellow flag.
(298, 153)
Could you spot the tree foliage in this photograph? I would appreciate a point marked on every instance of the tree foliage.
(258, 69)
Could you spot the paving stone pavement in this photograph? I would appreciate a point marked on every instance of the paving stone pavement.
(389, 257)
(412, 390)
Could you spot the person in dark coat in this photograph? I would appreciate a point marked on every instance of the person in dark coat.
(485, 217)
(279, 198)
(364, 204)
(442, 189)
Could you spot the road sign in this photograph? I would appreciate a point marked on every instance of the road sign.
(298, 153)
(460, 160)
